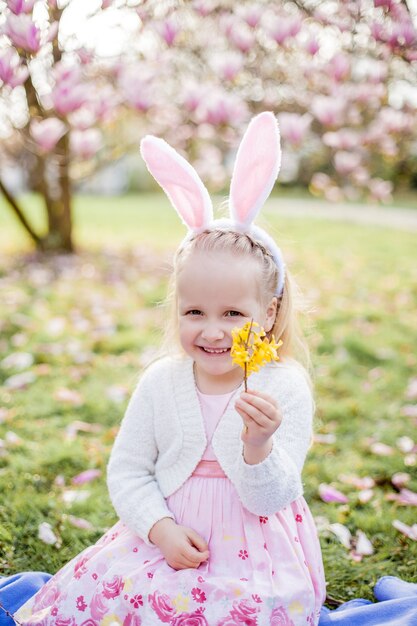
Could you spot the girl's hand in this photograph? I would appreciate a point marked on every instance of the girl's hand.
(181, 547)
(261, 417)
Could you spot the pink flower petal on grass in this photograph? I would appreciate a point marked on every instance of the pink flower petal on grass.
(69, 396)
(79, 522)
(411, 393)
(405, 497)
(363, 545)
(381, 449)
(405, 444)
(46, 534)
(360, 483)
(365, 495)
(86, 477)
(329, 494)
(342, 533)
(400, 479)
(408, 531)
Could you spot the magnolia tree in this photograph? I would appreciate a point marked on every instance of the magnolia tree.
(340, 75)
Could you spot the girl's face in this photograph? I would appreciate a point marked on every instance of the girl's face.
(216, 293)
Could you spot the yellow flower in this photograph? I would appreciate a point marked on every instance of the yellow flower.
(253, 349)
(181, 603)
(111, 620)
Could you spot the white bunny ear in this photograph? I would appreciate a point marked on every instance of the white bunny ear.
(180, 182)
(256, 168)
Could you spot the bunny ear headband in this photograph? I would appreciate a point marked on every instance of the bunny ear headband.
(256, 168)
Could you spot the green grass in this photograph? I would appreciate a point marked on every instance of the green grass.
(89, 322)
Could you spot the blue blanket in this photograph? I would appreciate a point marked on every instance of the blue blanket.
(396, 606)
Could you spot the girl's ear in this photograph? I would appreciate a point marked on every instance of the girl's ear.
(256, 168)
(271, 314)
(180, 182)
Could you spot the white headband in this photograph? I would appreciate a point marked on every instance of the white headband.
(256, 168)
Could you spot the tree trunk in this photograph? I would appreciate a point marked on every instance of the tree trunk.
(56, 188)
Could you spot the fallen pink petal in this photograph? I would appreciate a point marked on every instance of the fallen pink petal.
(86, 477)
(329, 494)
(408, 531)
(381, 449)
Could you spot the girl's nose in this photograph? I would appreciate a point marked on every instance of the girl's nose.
(212, 332)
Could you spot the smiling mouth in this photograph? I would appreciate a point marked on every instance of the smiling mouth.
(215, 351)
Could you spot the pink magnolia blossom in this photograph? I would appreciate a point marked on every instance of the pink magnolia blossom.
(377, 71)
(242, 38)
(69, 93)
(86, 143)
(86, 56)
(192, 96)
(20, 6)
(293, 126)
(395, 121)
(329, 110)
(282, 28)
(319, 183)
(346, 162)
(203, 7)
(252, 15)
(329, 494)
(228, 65)
(23, 32)
(12, 73)
(221, 108)
(66, 99)
(339, 67)
(312, 46)
(378, 31)
(168, 29)
(381, 191)
(135, 84)
(342, 139)
(403, 34)
(386, 4)
(47, 132)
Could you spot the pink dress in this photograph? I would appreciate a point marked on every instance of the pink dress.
(262, 571)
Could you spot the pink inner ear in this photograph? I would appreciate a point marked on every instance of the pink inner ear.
(180, 182)
(257, 165)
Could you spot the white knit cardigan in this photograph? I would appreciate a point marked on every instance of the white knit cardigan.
(162, 439)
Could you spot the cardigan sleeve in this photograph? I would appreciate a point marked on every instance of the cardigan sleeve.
(131, 481)
(271, 485)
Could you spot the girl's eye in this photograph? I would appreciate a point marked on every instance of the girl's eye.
(194, 312)
(233, 313)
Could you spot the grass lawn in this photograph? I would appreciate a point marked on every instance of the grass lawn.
(76, 331)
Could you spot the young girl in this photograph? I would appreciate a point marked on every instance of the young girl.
(206, 478)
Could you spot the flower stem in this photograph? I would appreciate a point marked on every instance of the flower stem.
(246, 349)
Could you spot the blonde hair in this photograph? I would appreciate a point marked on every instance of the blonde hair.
(286, 326)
